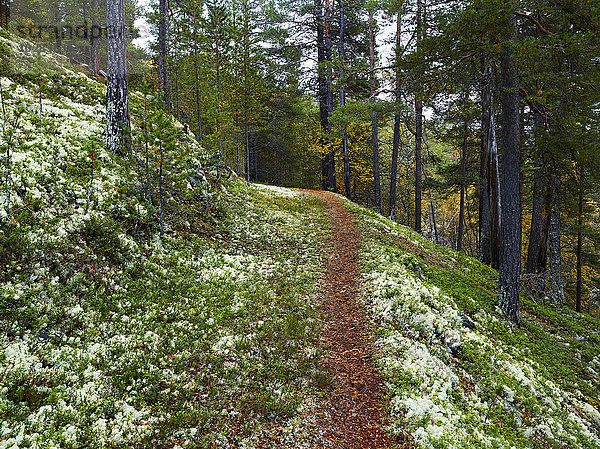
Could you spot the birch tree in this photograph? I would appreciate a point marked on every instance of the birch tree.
(117, 109)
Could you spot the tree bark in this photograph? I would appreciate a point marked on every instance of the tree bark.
(490, 204)
(418, 126)
(397, 119)
(537, 219)
(322, 89)
(579, 293)
(484, 157)
(495, 200)
(555, 283)
(95, 41)
(463, 174)
(197, 92)
(374, 128)
(163, 52)
(328, 45)
(324, 92)
(246, 105)
(117, 108)
(347, 188)
(434, 223)
(510, 267)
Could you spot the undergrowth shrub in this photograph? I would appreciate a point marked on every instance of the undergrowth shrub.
(102, 234)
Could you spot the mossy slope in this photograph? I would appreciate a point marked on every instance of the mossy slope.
(459, 374)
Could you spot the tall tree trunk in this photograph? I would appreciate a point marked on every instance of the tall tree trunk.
(434, 223)
(197, 93)
(95, 37)
(322, 24)
(490, 210)
(463, 174)
(347, 188)
(117, 108)
(251, 158)
(535, 229)
(510, 267)
(374, 129)
(4, 13)
(555, 284)
(537, 219)
(484, 201)
(328, 46)
(418, 126)
(579, 293)
(322, 89)
(246, 105)
(218, 72)
(176, 106)
(163, 52)
(495, 199)
(397, 118)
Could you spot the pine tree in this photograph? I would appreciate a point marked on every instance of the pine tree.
(510, 266)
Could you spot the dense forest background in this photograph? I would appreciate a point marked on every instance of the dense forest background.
(399, 105)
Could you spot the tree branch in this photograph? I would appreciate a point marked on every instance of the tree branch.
(536, 22)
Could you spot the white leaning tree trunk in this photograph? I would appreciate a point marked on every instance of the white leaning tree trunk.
(117, 109)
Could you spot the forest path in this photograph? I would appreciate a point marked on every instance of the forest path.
(353, 415)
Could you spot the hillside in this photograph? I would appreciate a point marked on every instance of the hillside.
(211, 334)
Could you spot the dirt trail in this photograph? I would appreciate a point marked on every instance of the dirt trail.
(354, 417)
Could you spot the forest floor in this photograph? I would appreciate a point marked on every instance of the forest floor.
(353, 411)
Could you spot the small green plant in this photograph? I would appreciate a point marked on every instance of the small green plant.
(102, 235)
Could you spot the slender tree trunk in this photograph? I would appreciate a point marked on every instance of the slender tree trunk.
(328, 58)
(434, 223)
(418, 164)
(4, 13)
(510, 268)
(160, 191)
(251, 158)
(322, 89)
(579, 293)
(245, 68)
(463, 174)
(197, 93)
(322, 24)
(537, 219)
(374, 129)
(147, 152)
(163, 52)
(555, 286)
(542, 257)
(418, 127)
(95, 39)
(490, 207)
(347, 188)
(535, 230)
(219, 137)
(495, 199)
(484, 194)
(397, 118)
(117, 109)
(177, 107)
